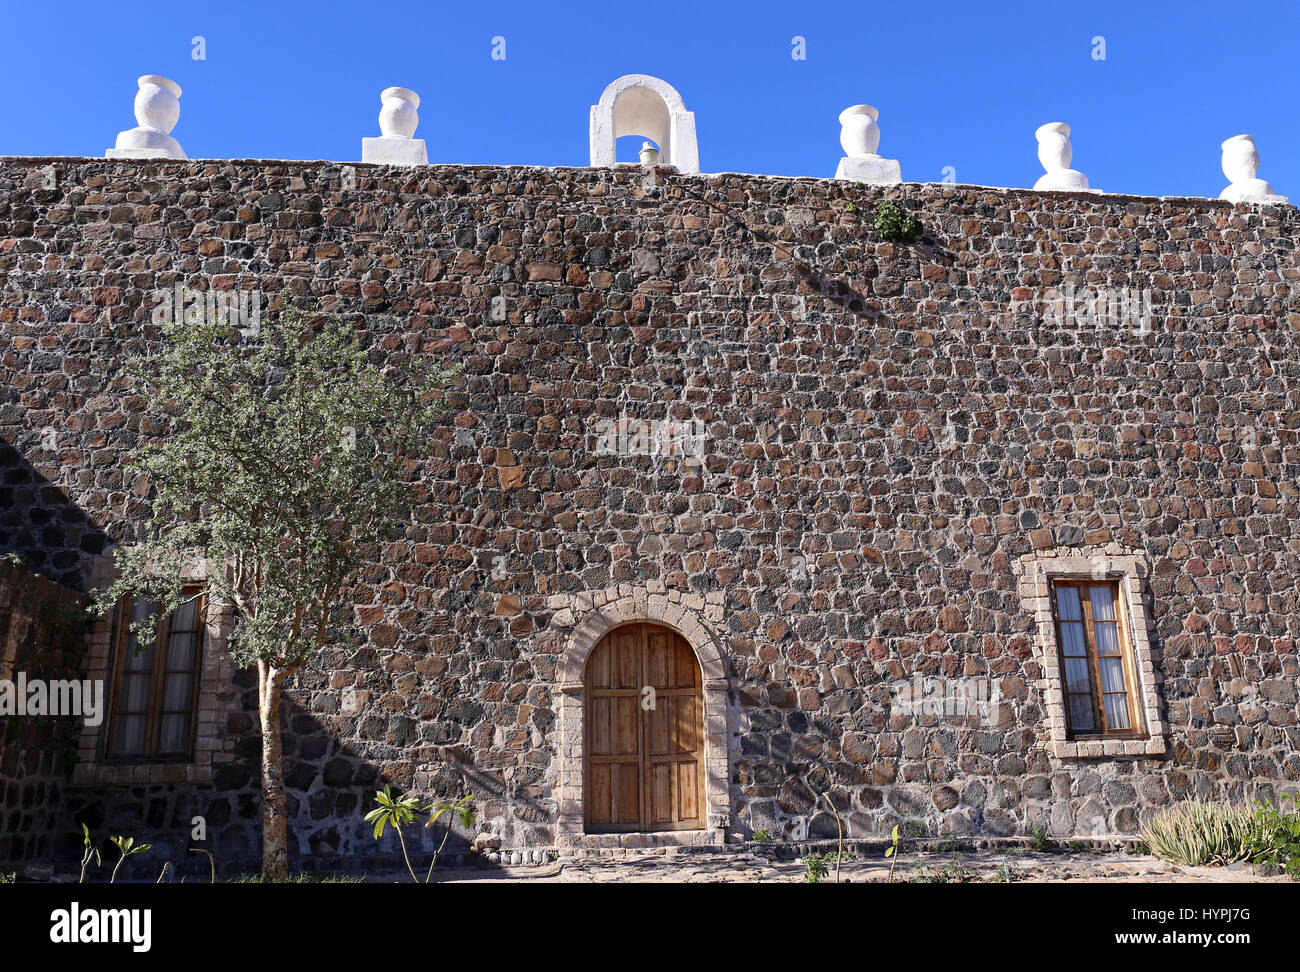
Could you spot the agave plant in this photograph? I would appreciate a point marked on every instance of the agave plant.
(1195, 833)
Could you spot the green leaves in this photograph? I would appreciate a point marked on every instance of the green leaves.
(127, 845)
(1197, 832)
(892, 222)
(277, 465)
(1274, 841)
(462, 809)
(402, 812)
(399, 813)
(815, 867)
(891, 853)
(91, 852)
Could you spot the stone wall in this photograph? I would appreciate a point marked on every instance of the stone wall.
(41, 636)
(895, 433)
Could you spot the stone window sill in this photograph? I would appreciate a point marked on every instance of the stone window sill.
(1094, 748)
(127, 774)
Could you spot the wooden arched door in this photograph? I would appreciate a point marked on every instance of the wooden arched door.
(644, 748)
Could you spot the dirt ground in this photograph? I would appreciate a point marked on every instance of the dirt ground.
(919, 867)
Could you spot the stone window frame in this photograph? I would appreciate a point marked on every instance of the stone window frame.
(591, 616)
(217, 670)
(1130, 573)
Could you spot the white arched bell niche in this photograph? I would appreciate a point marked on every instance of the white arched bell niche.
(637, 104)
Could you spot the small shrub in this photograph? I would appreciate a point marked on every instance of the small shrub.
(761, 836)
(954, 872)
(1040, 841)
(1274, 844)
(8, 877)
(1195, 833)
(914, 829)
(892, 222)
(815, 867)
(302, 877)
(1005, 874)
(1076, 846)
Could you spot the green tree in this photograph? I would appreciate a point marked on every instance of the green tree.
(280, 462)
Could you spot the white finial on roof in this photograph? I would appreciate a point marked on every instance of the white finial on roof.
(860, 137)
(1240, 163)
(157, 107)
(1055, 152)
(397, 121)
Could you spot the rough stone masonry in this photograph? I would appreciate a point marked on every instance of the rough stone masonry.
(894, 435)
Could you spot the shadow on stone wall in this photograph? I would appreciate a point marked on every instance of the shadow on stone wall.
(42, 525)
(42, 629)
(329, 788)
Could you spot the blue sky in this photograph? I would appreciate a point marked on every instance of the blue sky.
(957, 84)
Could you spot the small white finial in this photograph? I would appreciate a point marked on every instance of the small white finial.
(1055, 153)
(1240, 162)
(157, 107)
(398, 119)
(649, 154)
(859, 133)
(860, 137)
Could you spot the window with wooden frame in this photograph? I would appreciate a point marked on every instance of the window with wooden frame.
(1097, 668)
(155, 690)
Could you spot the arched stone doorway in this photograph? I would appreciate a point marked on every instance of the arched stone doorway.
(644, 747)
(593, 617)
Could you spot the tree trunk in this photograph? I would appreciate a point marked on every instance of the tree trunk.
(275, 831)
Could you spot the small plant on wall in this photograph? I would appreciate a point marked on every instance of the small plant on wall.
(894, 223)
